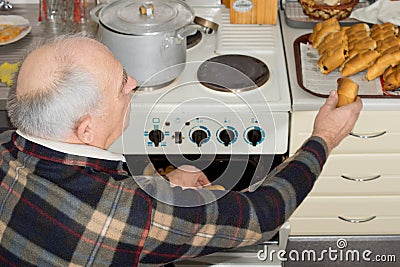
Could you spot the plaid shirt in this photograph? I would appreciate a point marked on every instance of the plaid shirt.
(58, 209)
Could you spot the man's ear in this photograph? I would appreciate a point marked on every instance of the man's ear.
(84, 131)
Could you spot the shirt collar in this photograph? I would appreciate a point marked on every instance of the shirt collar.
(75, 149)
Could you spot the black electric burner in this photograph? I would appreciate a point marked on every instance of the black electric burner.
(194, 39)
(233, 73)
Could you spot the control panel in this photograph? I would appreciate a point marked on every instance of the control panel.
(212, 133)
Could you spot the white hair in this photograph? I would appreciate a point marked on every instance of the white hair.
(54, 111)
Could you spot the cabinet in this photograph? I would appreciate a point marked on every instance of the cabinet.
(358, 191)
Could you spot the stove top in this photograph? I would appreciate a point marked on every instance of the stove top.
(233, 73)
(262, 42)
(187, 117)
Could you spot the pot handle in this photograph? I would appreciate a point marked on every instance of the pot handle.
(186, 31)
(94, 13)
(207, 26)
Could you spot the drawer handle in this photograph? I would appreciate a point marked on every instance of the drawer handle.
(366, 136)
(357, 220)
(361, 179)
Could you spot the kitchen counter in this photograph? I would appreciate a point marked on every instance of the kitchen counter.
(40, 32)
(303, 100)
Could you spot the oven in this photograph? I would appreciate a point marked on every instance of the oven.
(227, 114)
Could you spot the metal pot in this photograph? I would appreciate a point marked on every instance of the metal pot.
(147, 37)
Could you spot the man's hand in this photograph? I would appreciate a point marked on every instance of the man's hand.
(187, 176)
(334, 124)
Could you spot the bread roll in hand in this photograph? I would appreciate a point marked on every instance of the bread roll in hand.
(347, 91)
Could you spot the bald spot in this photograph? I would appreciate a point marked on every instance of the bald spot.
(42, 67)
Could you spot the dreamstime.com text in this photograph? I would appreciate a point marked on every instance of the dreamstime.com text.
(339, 253)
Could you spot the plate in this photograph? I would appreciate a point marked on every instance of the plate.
(15, 20)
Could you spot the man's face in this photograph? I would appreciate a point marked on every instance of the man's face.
(117, 86)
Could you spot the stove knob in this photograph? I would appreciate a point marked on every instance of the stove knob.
(199, 136)
(254, 136)
(227, 136)
(156, 136)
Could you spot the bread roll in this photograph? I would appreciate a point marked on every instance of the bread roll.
(331, 60)
(332, 40)
(323, 33)
(391, 50)
(149, 170)
(161, 171)
(214, 187)
(320, 25)
(359, 62)
(357, 27)
(357, 35)
(328, 26)
(383, 27)
(354, 52)
(389, 71)
(169, 169)
(365, 43)
(391, 78)
(383, 45)
(381, 64)
(323, 49)
(382, 35)
(347, 91)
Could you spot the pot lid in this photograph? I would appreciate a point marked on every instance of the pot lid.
(138, 17)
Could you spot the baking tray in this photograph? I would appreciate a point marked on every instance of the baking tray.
(303, 39)
(295, 17)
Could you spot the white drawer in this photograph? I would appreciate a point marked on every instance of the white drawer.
(356, 174)
(387, 143)
(380, 127)
(339, 186)
(350, 207)
(362, 165)
(368, 121)
(334, 226)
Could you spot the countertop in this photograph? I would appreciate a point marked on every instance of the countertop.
(303, 100)
(40, 32)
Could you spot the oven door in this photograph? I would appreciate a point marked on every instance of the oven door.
(234, 172)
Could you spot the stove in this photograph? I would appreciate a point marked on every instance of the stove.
(227, 114)
(206, 110)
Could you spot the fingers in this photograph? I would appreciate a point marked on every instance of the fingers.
(188, 168)
(331, 101)
(188, 176)
(355, 109)
(358, 104)
(203, 180)
(334, 124)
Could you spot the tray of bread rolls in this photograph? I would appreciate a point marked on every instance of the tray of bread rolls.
(368, 54)
(296, 18)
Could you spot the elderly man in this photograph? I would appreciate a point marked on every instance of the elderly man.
(67, 201)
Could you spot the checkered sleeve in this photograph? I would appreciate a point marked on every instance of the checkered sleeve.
(58, 209)
(190, 223)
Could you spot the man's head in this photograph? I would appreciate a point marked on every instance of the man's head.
(71, 89)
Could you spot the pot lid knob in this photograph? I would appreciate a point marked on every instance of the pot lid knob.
(146, 9)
